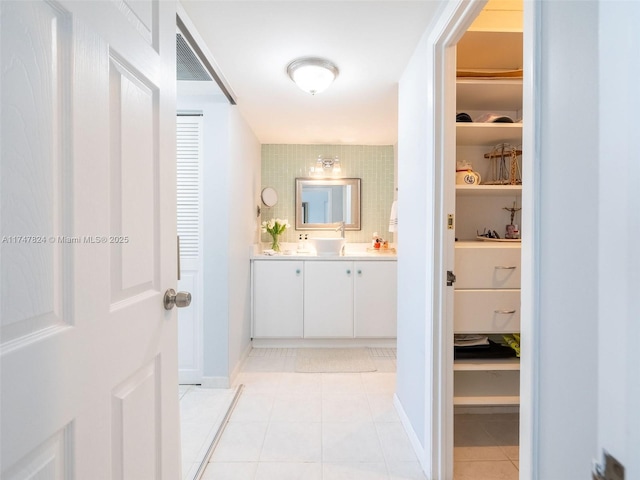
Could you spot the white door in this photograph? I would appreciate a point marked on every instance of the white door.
(89, 355)
(189, 215)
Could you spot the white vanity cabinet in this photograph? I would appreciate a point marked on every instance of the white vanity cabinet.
(350, 299)
(277, 299)
(324, 299)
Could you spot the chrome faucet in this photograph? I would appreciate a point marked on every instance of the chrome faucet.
(341, 228)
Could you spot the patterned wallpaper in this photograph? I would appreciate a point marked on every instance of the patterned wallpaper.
(282, 164)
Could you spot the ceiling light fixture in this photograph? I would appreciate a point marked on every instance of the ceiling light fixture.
(313, 75)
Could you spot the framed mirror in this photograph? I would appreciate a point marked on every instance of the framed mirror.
(321, 203)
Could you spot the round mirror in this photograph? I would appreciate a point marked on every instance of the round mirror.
(269, 196)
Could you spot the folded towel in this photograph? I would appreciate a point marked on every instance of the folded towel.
(393, 219)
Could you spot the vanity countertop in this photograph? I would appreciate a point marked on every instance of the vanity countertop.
(353, 252)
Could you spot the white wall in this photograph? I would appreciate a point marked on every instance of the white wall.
(244, 197)
(567, 230)
(415, 245)
(216, 259)
(618, 234)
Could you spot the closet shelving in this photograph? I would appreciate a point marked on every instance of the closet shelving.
(485, 190)
(484, 285)
(488, 134)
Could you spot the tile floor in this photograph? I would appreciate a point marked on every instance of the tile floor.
(201, 413)
(340, 426)
(486, 446)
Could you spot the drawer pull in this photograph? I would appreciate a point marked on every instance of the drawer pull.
(502, 267)
(505, 312)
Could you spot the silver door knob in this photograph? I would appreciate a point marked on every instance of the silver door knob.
(180, 299)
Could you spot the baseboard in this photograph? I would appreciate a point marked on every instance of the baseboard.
(216, 382)
(323, 342)
(238, 368)
(189, 377)
(413, 438)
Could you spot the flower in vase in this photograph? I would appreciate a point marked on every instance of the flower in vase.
(275, 227)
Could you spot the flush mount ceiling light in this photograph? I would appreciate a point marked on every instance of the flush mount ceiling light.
(313, 75)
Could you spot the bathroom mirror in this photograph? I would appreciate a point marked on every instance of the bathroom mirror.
(269, 196)
(321, 203)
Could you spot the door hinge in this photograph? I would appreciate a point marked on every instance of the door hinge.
(609, 469)
(451, 278)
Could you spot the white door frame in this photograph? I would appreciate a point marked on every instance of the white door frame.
(448, 30)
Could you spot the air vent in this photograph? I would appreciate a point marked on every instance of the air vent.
(188, 65)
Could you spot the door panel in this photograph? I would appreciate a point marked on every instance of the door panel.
(375, 299)
(134, 206)
(278, 293)
(48, 460)
(89, 355)
(190, 327)
(136, 439)
(34, 110)
(328, 299)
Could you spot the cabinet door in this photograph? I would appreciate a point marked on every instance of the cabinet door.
(328, 299)
(375, 299)
(277, 298)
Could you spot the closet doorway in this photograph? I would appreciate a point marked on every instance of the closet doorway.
(485, 403)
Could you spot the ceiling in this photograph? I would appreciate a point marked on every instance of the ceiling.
(371, 42)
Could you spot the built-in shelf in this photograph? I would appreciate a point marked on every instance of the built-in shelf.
(486, 364)
(486, 400)
(475, 243)
(488, 134)
(484, 190)
(490, 50)
(489, 95)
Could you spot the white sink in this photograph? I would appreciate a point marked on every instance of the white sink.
(328, 247)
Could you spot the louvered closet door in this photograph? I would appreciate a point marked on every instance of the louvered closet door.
(189, 191)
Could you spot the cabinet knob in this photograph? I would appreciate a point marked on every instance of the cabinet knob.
(348, 272)
(297, 271)
(359, 272)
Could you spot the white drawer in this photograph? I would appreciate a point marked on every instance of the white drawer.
(487, 311)
(487, 267)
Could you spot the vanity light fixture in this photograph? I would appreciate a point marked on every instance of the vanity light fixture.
(313, 75)
(326, 167)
